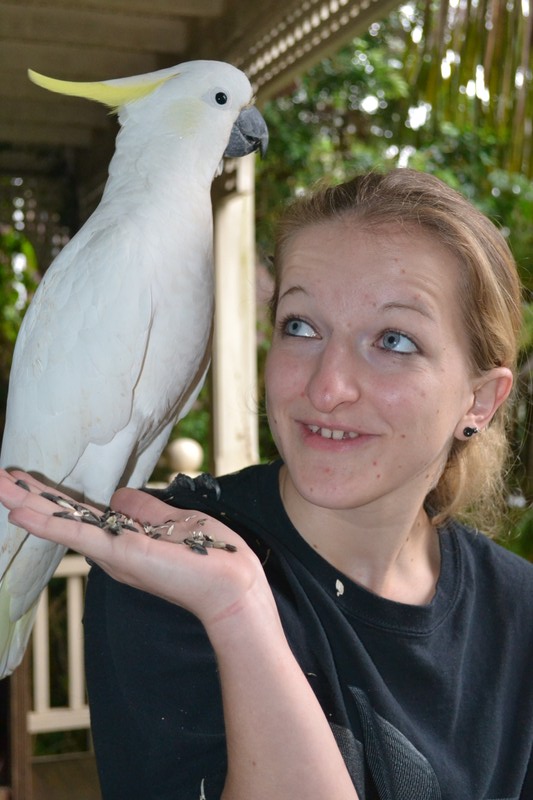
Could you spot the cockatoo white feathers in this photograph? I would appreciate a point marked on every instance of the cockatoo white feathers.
(115, 345)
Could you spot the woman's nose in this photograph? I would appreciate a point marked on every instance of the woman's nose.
(335, 379)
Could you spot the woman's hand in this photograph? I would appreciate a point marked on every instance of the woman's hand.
(212, 586)
(278, 739)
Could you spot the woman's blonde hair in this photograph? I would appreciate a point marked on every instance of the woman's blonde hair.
(489, 295)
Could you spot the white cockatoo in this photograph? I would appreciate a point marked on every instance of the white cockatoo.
(115, 345)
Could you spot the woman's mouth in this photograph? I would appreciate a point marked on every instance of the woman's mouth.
(332, 433)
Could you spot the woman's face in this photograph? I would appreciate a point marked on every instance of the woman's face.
(368, 378)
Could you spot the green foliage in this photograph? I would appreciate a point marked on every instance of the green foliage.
(384, 100)
(323, 128)
(526, 344)
(18, 280)
(519, 537)
(507, 198)
(476, 70)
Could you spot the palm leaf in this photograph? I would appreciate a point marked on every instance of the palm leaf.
(477, 69)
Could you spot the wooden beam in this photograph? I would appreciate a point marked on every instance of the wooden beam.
(28, 161)
(168, 8)
(24, 110)
(65, 135)
(72, 26)
(71, 62)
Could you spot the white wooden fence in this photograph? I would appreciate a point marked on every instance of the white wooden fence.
(182, 455)
(44, 717)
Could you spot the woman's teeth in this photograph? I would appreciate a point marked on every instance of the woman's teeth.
(328, 433)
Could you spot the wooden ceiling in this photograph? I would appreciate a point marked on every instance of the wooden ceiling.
(272, 40)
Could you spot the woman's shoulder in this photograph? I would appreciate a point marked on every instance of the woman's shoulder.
(257, 478)
(494, 565)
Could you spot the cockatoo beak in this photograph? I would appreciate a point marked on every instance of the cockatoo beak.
(249, 133)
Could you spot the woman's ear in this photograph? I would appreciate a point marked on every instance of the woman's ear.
(490, 391)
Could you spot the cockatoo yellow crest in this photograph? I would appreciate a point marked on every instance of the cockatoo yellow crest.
(115, 345)
(114, 93)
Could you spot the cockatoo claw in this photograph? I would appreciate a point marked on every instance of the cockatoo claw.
(208, 483)
(205, 483)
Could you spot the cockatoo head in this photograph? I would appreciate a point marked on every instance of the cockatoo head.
(192, 101)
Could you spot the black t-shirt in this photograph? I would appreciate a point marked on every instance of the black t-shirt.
(429, 702)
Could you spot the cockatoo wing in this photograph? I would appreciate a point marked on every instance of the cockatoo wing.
(71, 384)
(77, 358)
(77, 362)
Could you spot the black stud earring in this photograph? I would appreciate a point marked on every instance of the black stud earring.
(468, 432)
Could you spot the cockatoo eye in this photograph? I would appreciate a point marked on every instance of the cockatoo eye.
(217, 97)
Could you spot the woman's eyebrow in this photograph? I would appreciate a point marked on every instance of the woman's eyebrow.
(419, 307)
(292, 290)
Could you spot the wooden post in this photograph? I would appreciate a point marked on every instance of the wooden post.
(234, 370)
(20, 746)
(4, 739)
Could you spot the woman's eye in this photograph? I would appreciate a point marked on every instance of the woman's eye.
(297, 327)
(398, 342)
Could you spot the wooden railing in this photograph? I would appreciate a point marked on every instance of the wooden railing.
(182, 455)
(44, 717)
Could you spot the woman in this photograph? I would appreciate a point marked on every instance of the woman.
(359, 642)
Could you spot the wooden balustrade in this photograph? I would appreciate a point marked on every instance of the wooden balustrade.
(43, 717)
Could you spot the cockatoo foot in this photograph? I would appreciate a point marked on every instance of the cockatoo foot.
(205, 484)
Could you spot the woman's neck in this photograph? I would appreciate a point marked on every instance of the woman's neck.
(393, 552)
